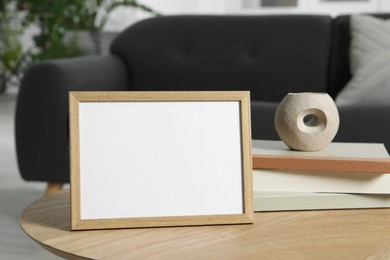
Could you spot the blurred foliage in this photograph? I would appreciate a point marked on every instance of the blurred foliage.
(10, 47)
(54, 19)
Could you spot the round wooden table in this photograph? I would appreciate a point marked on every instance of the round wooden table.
(330, 234)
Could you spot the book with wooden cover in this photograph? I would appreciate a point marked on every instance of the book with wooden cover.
(337, 157)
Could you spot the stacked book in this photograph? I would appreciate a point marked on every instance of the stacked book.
(343, 175)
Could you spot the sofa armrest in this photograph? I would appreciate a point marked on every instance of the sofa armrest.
(41, 120)
(364, 124)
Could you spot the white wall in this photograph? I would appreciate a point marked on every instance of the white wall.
(123, 17)
(385, 5)
(316, 6)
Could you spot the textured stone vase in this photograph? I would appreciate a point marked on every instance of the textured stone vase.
(307, 121)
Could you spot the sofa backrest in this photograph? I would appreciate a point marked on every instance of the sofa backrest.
(268, 55)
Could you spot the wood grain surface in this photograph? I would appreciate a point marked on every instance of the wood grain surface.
(331, 234)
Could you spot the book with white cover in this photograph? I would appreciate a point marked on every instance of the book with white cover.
(322, 181)
(276, 190)
(282, 201)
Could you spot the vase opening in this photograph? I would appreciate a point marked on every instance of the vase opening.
(312, 121)
(307, 93)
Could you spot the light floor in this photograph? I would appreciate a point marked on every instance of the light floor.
(15, 194)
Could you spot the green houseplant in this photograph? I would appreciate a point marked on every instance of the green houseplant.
(10, 47)
(54, 20)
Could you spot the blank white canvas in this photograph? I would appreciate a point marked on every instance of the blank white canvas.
(154, 159)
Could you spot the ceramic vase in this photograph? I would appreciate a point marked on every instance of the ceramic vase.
(307, 121)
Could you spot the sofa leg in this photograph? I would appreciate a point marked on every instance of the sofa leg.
(53, 187)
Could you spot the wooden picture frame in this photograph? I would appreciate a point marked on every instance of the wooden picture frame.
(153, 159)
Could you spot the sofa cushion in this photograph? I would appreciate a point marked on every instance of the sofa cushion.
(369, 62)
(362, 124)
(268, 55)
(262, 120)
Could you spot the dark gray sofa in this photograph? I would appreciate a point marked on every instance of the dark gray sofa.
(268, 55)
